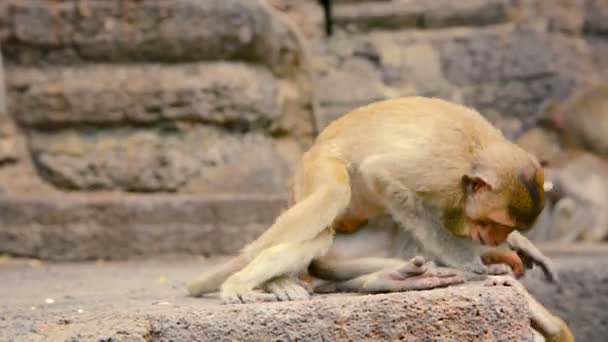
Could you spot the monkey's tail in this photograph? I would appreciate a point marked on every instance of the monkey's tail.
(212, 280)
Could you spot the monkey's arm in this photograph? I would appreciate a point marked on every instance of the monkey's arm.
(553, 328)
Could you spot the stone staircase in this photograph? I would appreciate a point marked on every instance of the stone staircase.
(145, 121)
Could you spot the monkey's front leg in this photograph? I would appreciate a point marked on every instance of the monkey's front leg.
(382, 174)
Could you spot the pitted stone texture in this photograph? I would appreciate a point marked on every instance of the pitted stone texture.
(7, 129)
(89, 226)
(129, 302)
(583, 297)
(169, 157)
(226, 94)
(71, 31)
(504, 71)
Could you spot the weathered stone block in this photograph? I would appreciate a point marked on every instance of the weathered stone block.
(169, 157)
(367, 16)
(511, 72)
(224, 94)
(92, 226)
(71, 31)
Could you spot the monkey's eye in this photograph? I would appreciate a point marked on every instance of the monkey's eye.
(476, 186)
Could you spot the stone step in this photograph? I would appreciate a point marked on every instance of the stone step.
(403, 14)
(40, 32)
(107, 226)
(145, 300)
(153, 127)
(219, 93)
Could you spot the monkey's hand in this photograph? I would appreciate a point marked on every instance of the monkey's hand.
(415, 274)
(530, 255)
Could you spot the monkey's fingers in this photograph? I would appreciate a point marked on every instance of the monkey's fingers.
(543, 262)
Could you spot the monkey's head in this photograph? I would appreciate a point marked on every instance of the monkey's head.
(504, 192)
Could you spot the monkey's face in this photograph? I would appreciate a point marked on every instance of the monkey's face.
(494, 210)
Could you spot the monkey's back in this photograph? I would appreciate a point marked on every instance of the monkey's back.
(415, 125)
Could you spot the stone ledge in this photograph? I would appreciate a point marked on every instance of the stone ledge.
(92, 226)
(367, 16)
(127, 302)
(219, 93)
(43, 32)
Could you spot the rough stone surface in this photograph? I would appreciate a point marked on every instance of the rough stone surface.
(7, 129)
(80, 227)
(504, 71)
(583, 299)
(146, 301)
(366, 16)
(155, 96)
(228, 94)
(71, 31)
(168, 158)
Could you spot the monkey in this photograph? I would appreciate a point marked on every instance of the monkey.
(582, 119)
(438, 168)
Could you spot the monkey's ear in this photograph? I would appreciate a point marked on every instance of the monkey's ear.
(478, 181)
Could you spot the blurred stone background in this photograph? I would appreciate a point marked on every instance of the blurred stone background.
(141, 127)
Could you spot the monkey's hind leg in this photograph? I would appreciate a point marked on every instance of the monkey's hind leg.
(281, 260)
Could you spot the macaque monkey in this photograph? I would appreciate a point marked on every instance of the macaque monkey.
(583, 119)
(439, 169)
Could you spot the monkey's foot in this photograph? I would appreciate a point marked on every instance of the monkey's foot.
(288, 289)
(236, 293)
(248, 297)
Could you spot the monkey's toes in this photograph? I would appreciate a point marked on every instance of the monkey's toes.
(249, 297)
(288, 289)
(418, 261)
